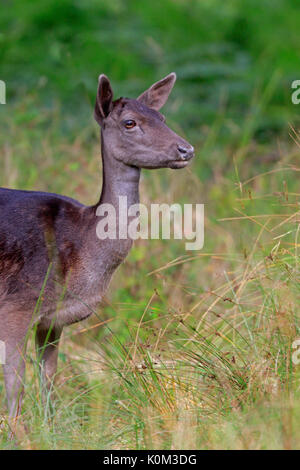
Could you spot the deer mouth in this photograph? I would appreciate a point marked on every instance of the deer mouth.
(184, 155)
(182, 161)
(177, 164)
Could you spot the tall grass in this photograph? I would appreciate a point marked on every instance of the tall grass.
(215, 373)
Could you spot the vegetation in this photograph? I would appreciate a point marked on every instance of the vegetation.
(190, 349)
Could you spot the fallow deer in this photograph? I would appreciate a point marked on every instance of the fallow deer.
(54, 270)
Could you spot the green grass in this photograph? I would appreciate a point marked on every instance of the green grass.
(215, 374)
(195, 349)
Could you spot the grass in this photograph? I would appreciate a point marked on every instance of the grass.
(190, 349)
(202, 358)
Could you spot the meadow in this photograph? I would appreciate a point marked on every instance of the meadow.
(190, 350)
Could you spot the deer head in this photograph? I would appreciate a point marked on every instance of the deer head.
(135, 131)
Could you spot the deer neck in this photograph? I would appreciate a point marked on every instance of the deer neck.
(118, 180)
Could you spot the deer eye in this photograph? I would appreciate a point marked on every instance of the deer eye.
(129, 124)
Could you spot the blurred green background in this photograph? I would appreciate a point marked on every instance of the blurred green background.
(226, 55)
(235, 62)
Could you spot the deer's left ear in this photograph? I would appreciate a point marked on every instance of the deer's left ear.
(156, 96)
(104, 99)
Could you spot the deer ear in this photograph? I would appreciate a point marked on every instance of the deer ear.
(156, 96)
(104, 99)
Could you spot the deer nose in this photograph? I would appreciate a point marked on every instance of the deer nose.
(186, 152)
